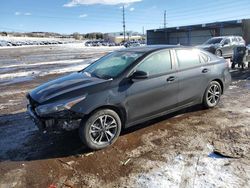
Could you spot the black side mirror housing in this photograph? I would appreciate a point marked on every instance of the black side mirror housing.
(139, 75)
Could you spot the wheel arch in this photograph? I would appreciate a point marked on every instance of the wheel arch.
(119, 110)
(221, 84)
(217, 80)
(220, 50)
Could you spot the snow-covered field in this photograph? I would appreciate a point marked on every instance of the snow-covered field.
(11, 38)
(30, 70)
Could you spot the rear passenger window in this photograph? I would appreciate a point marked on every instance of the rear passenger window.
(240, 39)
(157, 63)
(227, 41)
(187, 58)
(204, 58)
(235, 39)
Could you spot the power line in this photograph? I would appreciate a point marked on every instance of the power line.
(124, 23)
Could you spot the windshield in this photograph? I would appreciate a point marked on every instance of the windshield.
(113, 64)
(214, 41)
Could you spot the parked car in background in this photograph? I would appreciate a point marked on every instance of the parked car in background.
(128, 87)
(223, 46)
(28, 42)
(130, 44)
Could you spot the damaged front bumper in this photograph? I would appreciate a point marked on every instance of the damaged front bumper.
(55, 122)
(35, 118)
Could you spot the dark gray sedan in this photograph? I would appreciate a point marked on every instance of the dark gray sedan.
(128, 87)
(223, 46)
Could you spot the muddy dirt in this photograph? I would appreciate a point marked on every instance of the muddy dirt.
(194, 147)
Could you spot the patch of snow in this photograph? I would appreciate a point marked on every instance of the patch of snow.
(183, 171)
(233, 87)
(22, 65)
(64, 70)
(12, 92)
(17, 74)
(56, 70)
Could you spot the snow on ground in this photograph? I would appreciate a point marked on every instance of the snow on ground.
(64, 70)
(11, 38)
(24, 70)
(25, 65)
(181, 172)
(81, 64)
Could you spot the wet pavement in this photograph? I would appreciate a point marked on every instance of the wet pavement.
(194, 147)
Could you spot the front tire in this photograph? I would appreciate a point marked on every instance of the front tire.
(212, 95)
(101, 129)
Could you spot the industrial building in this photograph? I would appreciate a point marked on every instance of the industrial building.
(117, 37)
(198, 34)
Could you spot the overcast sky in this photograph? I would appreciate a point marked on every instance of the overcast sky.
(68, 16)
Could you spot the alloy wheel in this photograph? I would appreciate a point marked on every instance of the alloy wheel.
(218, 53)
(213, 94)
(103, 130)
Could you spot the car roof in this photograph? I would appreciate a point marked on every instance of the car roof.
(227, 36)
(150, 48)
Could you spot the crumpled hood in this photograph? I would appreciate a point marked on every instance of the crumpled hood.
(65, 85)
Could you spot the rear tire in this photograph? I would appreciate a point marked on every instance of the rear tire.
(212, 95)
(101, 129)
(218, 53)
(233, 65)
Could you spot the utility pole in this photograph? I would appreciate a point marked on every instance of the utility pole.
(165, 19)
(124, 23)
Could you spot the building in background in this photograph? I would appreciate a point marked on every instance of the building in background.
(117, 37)
(198, 34)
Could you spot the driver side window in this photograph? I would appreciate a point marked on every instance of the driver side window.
(227, 41)
(157, 63)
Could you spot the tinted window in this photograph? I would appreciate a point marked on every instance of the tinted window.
(235, 39)
(240, 39)
(204, 58)
(188, 58)
(227, 41)
(157, 63)
(214, 41)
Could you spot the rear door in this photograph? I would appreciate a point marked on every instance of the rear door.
(155, 94)
(227, 49)
(191, 75)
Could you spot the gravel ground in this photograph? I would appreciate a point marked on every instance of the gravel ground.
(190, 148)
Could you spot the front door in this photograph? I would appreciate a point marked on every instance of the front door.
(227, 49)
(155, 94)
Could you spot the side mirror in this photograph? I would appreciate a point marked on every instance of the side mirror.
(139, 75)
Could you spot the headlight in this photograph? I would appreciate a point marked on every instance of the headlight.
(57, 107)
(48, 109)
